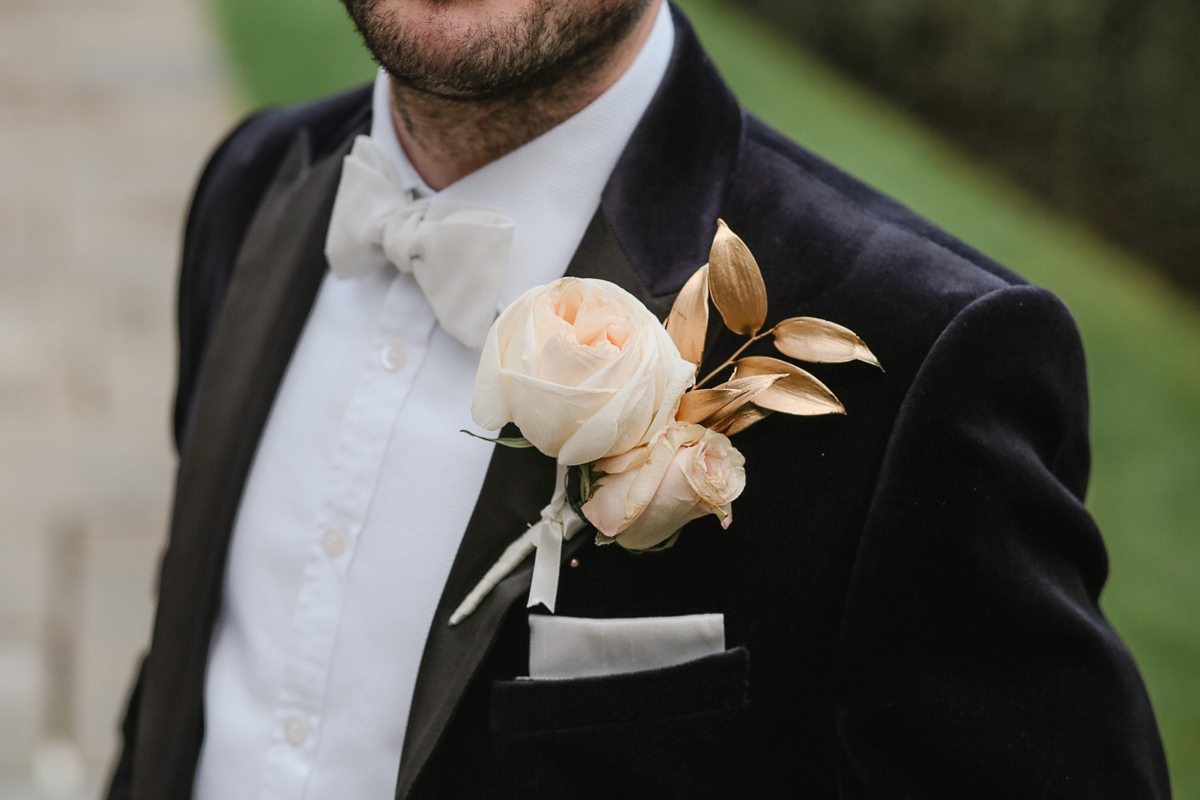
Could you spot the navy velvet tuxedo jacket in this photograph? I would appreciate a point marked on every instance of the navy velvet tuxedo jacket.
(910, 591)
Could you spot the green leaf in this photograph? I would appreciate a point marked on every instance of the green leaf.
(589, 481)
(582, 482)
(516, 442)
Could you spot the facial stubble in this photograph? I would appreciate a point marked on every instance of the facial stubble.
(554, 45)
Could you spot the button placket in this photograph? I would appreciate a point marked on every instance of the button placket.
(380, 393)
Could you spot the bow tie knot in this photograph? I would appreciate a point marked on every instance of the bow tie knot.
(456, 252)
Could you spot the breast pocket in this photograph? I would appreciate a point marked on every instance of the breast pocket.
(678, 731)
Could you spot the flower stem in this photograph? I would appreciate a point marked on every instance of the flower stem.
(733, 357)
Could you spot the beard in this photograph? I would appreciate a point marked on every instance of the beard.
(551, 42)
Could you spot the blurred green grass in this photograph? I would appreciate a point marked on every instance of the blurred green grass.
(1142, 337)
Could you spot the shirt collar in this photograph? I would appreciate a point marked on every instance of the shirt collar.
(383, 133)
(550, 187)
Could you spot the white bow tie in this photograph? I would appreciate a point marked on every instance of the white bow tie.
(457, 252)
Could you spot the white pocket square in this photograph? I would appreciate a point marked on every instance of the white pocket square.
(574, 647)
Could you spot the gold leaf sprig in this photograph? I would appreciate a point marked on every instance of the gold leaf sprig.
(736, 283)
(759, 385)
(688, 321)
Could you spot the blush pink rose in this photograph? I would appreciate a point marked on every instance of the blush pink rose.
(685, 472)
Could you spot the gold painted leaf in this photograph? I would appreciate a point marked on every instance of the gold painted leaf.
(748, 389)
(798, 393)
(699, 404)
(819, 341)
(735, 283)
(687, 323)
(744, 417)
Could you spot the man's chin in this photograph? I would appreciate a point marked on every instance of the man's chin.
(455, 15)
(490, 49)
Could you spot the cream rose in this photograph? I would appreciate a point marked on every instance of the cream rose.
(583, 368)
(685, 472)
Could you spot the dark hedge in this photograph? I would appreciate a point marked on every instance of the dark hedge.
(1095, 103)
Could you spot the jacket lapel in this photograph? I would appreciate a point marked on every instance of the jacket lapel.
(275, 281)
(518, 484)
(671, 183)
(657, 217)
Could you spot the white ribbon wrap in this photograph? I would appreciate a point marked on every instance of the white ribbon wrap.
(559, 523)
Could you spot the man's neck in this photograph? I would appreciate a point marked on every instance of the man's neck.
(447, 139)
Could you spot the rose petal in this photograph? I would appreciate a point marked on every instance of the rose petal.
(606, 508)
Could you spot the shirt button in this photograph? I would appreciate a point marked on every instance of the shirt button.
(296, 730)
(394, 357)
(333, 542)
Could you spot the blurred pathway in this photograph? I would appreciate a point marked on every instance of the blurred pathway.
(107, 110)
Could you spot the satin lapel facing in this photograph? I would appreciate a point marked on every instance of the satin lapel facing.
(278, 272)
(518, 484)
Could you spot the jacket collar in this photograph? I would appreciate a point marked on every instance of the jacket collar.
(664, 197)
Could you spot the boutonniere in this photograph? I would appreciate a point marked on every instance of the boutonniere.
(592, 378)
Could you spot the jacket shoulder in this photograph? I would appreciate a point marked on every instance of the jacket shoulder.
(223, 205)
(247, 158)
(768, 149)
(830, 244)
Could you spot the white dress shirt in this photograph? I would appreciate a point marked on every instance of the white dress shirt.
(362, 484)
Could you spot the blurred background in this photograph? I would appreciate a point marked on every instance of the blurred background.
(1060, 137)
